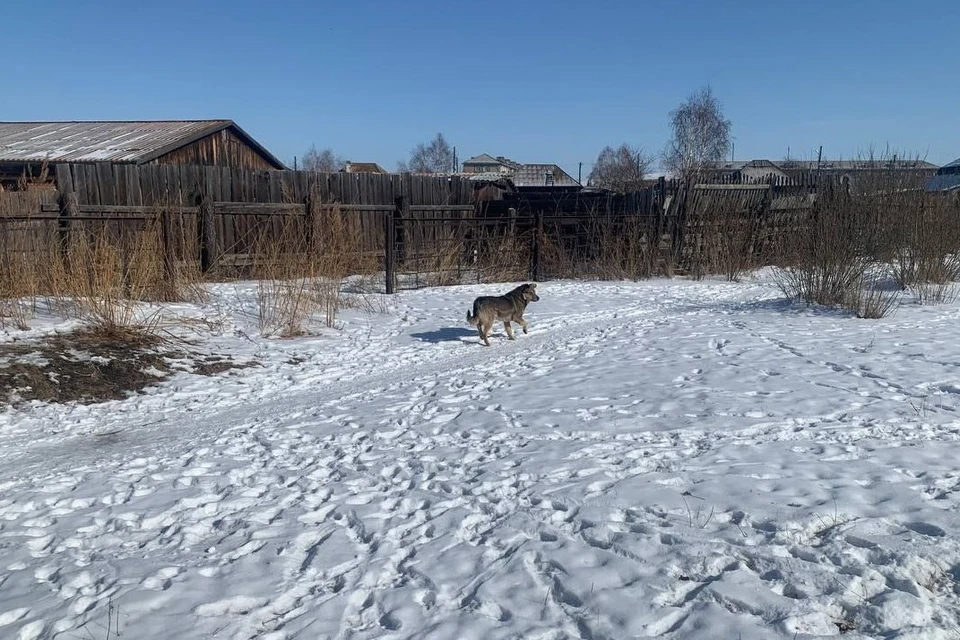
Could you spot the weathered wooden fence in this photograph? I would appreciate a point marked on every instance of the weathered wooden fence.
(420, 230)
(228, 209)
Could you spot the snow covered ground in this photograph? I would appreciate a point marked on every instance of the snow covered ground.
(655, 459)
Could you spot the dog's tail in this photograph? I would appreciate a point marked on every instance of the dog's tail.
(474, 318)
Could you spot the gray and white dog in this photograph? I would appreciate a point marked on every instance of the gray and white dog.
(508, 308)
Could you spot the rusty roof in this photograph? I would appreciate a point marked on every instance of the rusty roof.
(134, 142)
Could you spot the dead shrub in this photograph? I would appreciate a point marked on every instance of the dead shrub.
(301, 270)
(98, 272)
(871, 297)
(927, 259)
(884, 226)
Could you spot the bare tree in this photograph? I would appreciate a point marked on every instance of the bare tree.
(436, 157)
(621, 169)
(701, 135)
(324, 160)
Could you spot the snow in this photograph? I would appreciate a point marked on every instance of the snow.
(657, 459)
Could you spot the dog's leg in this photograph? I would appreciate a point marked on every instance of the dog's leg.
(506, 325)
(522, 323)
(484, 332)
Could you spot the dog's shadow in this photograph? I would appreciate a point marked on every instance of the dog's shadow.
(449, 334)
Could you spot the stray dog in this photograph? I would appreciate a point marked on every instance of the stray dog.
(509, 308)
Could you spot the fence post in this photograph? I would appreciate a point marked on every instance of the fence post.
(309, 212)
(69, 206)
(536, 248)
(389, 255)
(206, 232)
(399, 214)
(166, 237)
(662, 192)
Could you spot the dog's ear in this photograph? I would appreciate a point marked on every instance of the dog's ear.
(532, 285)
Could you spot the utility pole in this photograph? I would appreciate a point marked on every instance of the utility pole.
(819, 158)
(580, 172)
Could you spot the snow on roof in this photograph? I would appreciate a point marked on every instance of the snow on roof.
(106, 141)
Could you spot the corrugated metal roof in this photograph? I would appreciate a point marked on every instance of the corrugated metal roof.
(487, 176)
(107, 141)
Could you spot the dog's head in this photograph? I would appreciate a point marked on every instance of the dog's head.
(529, 292)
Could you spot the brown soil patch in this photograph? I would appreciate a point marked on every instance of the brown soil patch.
(91, 366)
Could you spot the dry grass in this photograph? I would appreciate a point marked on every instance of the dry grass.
(99, 273)
(301, 271)
(496, 256)
(628, 248)
(605, 247)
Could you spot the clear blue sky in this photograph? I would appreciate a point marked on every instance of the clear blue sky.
(537, 81)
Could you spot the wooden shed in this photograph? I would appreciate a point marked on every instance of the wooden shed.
(28, 150)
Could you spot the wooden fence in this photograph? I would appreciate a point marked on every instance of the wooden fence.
(410, 224)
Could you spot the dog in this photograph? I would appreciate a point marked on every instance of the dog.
(508, 308)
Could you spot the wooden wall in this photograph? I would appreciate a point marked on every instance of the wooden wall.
(221, 149)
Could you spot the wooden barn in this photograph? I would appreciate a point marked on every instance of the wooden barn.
(29, 150)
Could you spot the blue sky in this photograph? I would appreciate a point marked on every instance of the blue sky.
(534, 80)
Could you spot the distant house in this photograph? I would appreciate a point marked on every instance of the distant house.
(488, 164)
(522, 176)
(746, 170)
(947, 178)
(27, 148)
(852, 172)
(363, 167)
(848, 172)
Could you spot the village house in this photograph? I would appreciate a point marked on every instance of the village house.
(522, 176)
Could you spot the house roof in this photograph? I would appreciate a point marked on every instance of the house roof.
(855, 165)
(846, 165)
(486, 176)
(483, 158)
(947, 178)
(133, 142)
(535, 175)
(363, 167)
(486, 158)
